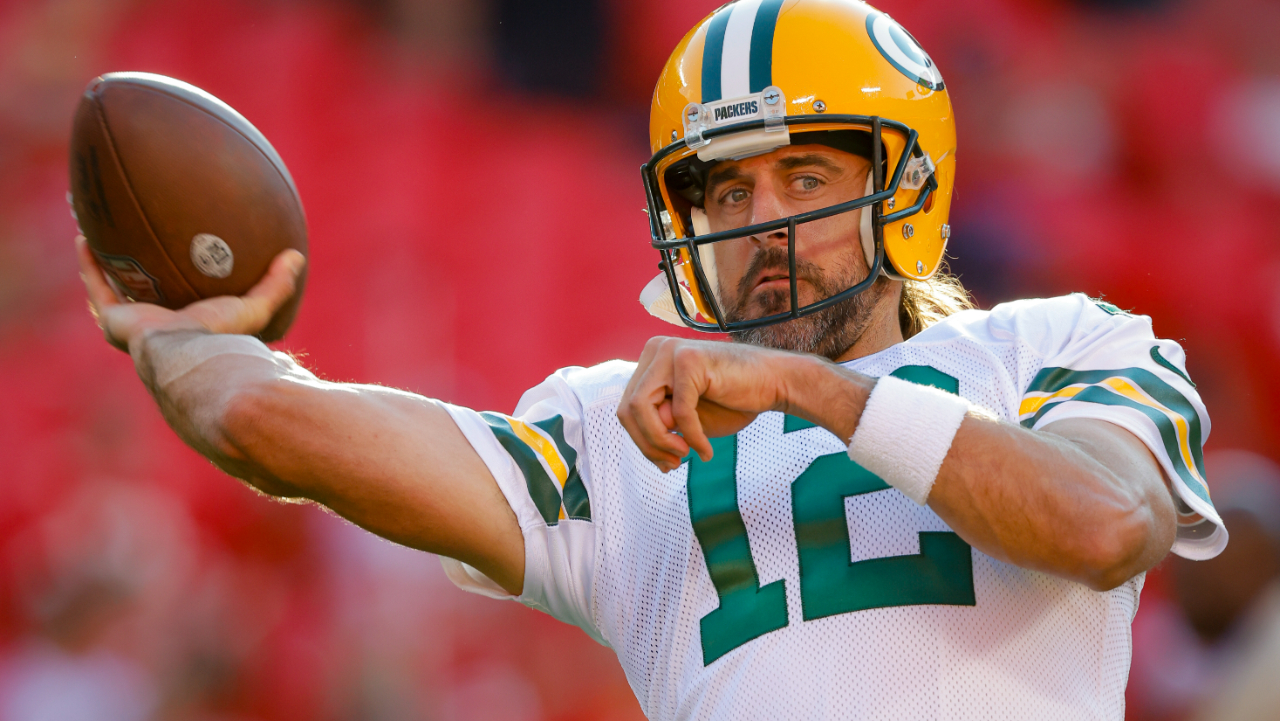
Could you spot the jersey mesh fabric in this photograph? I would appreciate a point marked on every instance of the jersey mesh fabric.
(1030, 645)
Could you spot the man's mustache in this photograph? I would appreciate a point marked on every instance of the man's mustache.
(769, 259)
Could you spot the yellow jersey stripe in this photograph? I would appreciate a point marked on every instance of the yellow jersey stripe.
(1127, 389)
(1033, 403)
(546, 449)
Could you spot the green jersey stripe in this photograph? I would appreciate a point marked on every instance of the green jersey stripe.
(1103, 395)
(1051, 380)
(541, 488)
(576, 503)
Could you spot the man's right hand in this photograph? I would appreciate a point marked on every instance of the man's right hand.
(124, 322)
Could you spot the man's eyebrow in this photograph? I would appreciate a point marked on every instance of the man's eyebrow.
(809, 159)
(724, 175)
(727, 174)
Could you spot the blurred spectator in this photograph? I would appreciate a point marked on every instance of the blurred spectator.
(1223, 622)
(82, 571)
(45, 683)
(552, 46)
(1249, 690)
(452, 39)
(1246, 125)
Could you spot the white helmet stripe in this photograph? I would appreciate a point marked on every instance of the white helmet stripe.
(735, 64)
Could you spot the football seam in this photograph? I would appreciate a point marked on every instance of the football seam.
(277, 163)
(128, 185)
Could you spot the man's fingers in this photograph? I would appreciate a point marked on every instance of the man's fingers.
(101, 294)
(252, 311)
(280, 282)
(647, 395)
(664, 460)
(644, 413)
(684, 410)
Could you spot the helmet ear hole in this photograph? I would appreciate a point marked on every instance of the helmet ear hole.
(928, 202)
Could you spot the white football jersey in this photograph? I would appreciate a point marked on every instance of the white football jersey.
(780, 580)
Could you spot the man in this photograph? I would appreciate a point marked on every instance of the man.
(873, 506)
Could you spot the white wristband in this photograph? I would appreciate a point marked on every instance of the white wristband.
(904, 434)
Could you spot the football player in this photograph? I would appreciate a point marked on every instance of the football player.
(878, 503)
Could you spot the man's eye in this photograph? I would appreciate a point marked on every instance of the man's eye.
(809, 183)
(737, 195)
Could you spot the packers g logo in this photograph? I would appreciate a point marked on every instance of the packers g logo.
(902, 51)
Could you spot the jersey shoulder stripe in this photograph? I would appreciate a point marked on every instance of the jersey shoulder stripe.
(1174, 416)
(573, 490)
(547, 462)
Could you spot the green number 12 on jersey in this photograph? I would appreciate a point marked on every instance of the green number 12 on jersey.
(830, 583)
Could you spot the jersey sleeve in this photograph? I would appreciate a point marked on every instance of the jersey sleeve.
(537, 457)
(1100, 362)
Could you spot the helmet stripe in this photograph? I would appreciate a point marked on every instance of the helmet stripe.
(712, 53)
(735, 68)
(737, 56)
(762, 45)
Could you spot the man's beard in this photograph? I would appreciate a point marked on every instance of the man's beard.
(829, 332)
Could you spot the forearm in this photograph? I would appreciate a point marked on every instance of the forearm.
(1043, 501)
(389, 461)
(1032, 498)
(196, 379)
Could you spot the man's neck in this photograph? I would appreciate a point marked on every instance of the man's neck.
(884, 331)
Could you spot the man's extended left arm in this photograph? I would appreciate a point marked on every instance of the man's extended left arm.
(1082, 499)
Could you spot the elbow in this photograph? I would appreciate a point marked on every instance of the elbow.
(1110, 574)
(1127, 546)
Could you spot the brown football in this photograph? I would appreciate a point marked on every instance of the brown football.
(179, 196)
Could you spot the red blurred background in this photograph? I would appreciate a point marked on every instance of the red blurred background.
(470, 175)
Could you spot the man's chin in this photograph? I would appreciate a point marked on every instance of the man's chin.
(828, 332)
(767, 303)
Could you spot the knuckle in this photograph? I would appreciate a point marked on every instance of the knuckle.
(626, 419)
(686, 354)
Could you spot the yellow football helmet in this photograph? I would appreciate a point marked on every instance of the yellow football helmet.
(756, 75)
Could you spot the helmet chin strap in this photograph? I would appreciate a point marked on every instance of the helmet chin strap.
(706, 253)
(867, 232)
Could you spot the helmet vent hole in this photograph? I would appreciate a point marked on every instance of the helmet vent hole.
(928, 202)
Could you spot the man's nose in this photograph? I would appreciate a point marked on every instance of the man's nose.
(767, 205)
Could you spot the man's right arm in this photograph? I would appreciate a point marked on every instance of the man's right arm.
(391, 462)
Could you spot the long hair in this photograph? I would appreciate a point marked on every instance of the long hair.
(925, 302)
